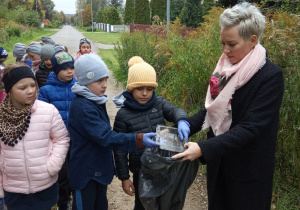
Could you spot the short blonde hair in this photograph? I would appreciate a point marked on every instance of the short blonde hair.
(247, 17)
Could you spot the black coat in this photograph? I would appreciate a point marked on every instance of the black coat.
(240, 162)
(42, 74)
(131, 121)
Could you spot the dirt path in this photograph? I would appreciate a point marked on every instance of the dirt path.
(196, 198)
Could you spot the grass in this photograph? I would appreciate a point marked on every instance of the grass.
(26, 38)
(103, 38)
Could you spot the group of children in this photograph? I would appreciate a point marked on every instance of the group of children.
(54, 126)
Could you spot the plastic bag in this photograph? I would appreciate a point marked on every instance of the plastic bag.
(163, 178)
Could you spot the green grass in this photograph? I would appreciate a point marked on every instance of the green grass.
(103, 38)
(26, 38)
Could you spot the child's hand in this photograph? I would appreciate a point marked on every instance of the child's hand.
(128, 187)
(183, 130)
(148, 142)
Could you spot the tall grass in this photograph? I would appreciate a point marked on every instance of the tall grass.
(184, 64)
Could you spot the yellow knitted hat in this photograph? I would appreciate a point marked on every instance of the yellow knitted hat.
(140, 74)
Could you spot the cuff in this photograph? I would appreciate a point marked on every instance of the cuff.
(139, 141)
(186, 122)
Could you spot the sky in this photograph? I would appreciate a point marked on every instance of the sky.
(67, 6)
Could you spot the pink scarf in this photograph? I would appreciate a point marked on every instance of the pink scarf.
(217, 115)
(36, 65)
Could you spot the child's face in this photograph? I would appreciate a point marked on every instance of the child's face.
(66, 74)
(34, 56)
(48, 63)
(85, 48)
(98, 87)
(23, 93)
(3, 59)
(142, 94)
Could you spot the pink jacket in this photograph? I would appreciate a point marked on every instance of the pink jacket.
(33, 164)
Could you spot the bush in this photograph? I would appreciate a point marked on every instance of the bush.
(89, 29)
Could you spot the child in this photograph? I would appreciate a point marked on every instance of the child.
(141, 111)
(45, 67)
(84, 48)
(34, 53)
(58, 92)
(3, 57)
(34, 143)
(19, 50)
(91, 161)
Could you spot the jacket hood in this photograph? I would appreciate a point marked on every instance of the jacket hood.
(119, 100)
(53, 80)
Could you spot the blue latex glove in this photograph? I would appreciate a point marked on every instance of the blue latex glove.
(148, 142)
(183, 130)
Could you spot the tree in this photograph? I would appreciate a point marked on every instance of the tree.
(142, 12)
(112, 15)
(159, 8)
(175, 7)
(129, 12)
(116, 3)
(191, 13)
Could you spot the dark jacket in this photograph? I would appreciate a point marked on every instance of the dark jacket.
(42, 74)
(240, 162)
(59, 94)
(92, 143)
(129, 120)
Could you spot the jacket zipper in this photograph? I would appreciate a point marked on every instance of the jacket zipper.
(26, 169)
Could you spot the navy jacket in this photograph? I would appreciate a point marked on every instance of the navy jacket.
(92, 143)
(59, 94)
(240, 162)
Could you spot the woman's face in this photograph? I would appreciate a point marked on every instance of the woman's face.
(234, 46)
(85, 48)
(142, 94)
(98, 87)
(23, 93)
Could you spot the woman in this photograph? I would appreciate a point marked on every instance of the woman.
(34, 143)
(242, 113)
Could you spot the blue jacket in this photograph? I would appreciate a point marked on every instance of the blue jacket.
(92, 143)
(59, 94)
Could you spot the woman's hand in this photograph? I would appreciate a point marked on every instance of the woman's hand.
(128, 187)
(193, 151)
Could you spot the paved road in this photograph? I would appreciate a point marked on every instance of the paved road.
(69, 36)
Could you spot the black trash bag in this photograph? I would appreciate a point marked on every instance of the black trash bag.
(163, 181)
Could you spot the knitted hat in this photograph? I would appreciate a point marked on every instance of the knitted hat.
(61, 60)
(3, 53)
(59, 48)
(47, 51)
(35, 48)
(90, 68)
(47, 40)
(19, 50)
(140, 74)
(84, 40)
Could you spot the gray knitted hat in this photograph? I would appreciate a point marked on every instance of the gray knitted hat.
(19, 50)
(47, 40)
(90, 68)
(47, 51)
(35, 48)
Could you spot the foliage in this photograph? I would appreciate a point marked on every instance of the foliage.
(191, 14)
(184, 64)
(159, 8)
(142, 12)
(24, 16)
(109, 15)
(175, 7)
(129, 12)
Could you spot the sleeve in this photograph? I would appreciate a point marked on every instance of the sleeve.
(258, 118)
(120, 156)
(173, 113)
(1, 180)
(61, 142)
(43, 96)
(92, 125)
(196, 121)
